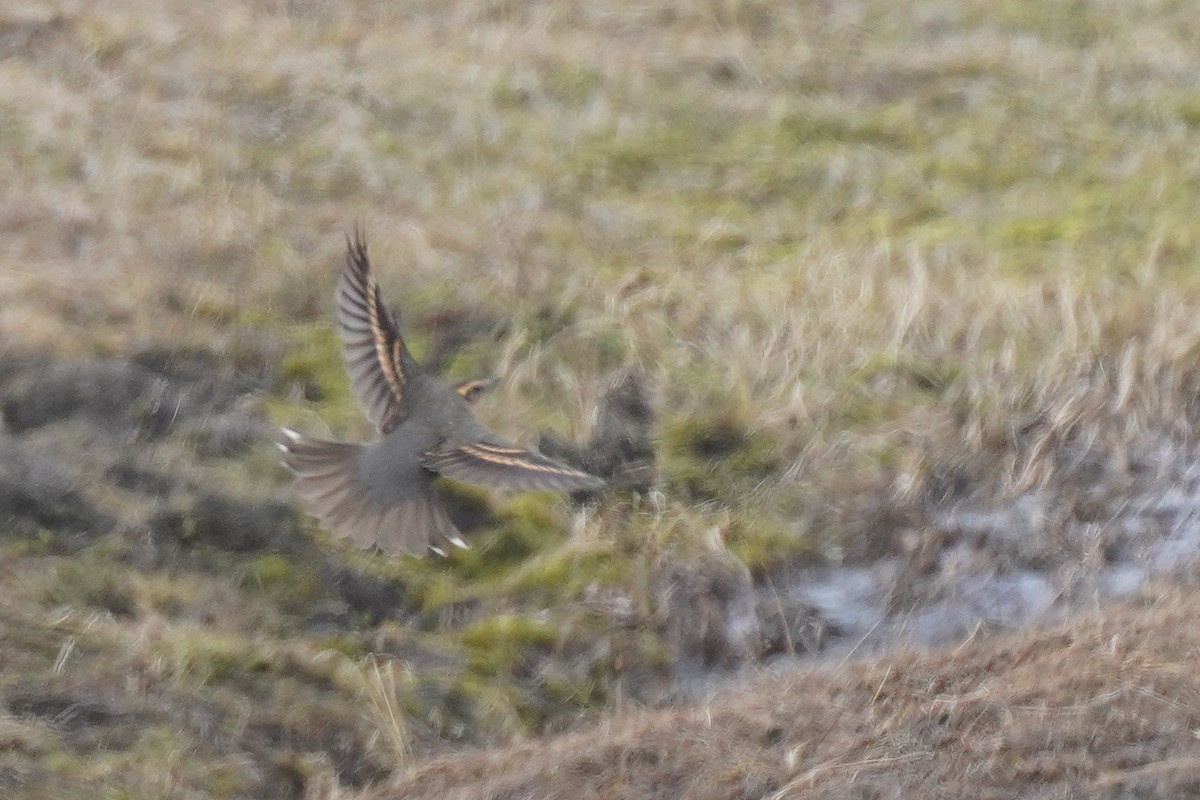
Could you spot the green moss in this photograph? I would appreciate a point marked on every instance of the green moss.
(1042, 229)
(38, 541)
(94, 584)
(1073, 24)
(199, 657)
(571, 85)
(313, 357)
(470, 361)
(126, 771)
(312, 367)
(498, 644)
(14, 133)
(565, 690)
(349, 646)
(432, 589)
(274, 249)
(101, 39)
(718, 458)
(609, 349)
(1185, 108)
(814, 125)
(760, 540)
(560, 574)
(676, 143)
(526, 524)
(292, 585)
(495, 709)
(512, 685)
(509, 95)
(169, 595)
(549, 321)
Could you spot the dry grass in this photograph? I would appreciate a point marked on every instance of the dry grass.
(898, 254)
(887, 240)
(1102, 707)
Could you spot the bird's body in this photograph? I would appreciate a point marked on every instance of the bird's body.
(381, 493)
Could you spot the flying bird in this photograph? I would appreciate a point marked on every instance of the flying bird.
(381, 493)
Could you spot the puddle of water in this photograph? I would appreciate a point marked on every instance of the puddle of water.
(1154, 533)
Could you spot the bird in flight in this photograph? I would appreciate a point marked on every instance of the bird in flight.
(381, 493)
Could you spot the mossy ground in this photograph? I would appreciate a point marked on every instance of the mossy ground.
(867, 251)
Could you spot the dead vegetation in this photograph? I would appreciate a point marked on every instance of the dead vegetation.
(877, 264)
(1104, 706)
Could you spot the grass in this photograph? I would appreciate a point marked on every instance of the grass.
(867, 253)
(1102, 706)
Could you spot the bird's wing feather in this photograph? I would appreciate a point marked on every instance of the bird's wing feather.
(377, 359)
(329, 478)
(495, 462)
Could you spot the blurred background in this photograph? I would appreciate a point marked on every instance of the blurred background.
(889, 307)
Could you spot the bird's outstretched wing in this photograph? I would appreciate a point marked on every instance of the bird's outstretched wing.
(495, 462)
(377, 359)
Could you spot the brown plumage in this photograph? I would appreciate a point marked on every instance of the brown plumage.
(381, 493)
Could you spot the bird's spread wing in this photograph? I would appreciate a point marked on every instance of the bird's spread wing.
(495, 462)
(379, 364)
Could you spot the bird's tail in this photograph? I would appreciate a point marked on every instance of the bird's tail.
(327, 477)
